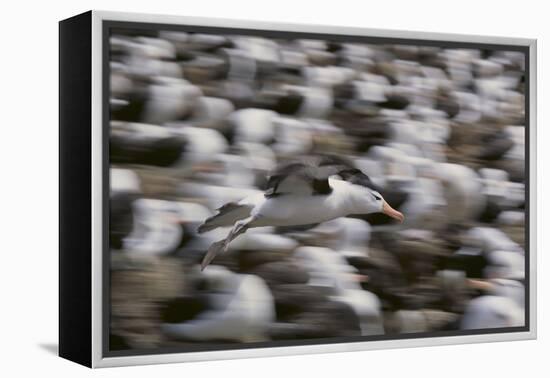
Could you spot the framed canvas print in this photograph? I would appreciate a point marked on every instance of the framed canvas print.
(237, 189)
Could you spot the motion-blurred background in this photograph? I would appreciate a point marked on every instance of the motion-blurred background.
(198, 120)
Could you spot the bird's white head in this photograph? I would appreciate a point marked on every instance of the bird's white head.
(369, 201)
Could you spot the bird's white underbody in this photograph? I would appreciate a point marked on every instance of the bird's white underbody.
(293, 209)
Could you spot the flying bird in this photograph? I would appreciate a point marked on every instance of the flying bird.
(311, 190)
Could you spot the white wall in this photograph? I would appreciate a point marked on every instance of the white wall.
(28, 148)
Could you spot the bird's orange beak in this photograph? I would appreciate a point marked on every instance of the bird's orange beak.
(390, 211)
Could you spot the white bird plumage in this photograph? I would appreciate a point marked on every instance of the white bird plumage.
(310, 191)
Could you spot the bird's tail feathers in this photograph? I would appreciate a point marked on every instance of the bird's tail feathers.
(214, 249)
(226, 216)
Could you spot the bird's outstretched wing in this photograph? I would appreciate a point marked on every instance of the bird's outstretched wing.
(348, 171)
(310, 175)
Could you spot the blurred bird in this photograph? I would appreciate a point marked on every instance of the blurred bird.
(312, 190)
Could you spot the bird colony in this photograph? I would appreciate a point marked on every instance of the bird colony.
(200, 120)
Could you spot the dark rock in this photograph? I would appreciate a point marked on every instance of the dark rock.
(117, 342)
(289, 104)
(495, 146)
(205, 67)
(121, 218)
(282, 272)
(368, 132)
(158, 152)
(490, 212)
(184, 56)
(514, 167)
(343, 93)
(419, 258)
(333, 46)
(322, 58)
(327, 319)
(395, 101)
(182, 309)
(472, 264)
(291, 299)
(448, 105)
(134, 110)
(247, 260)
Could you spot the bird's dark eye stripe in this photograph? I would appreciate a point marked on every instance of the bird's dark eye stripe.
(376, 197)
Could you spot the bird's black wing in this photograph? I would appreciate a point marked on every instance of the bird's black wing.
(357, 177)
(300, 177)
(348, 171)
(309, 175)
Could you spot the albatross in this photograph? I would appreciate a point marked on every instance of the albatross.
(307, 191)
